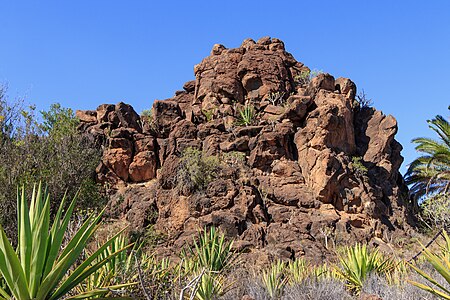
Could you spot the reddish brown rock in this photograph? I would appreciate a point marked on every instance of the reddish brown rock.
(165, 114)
(143, 167)
(308, 170)
(118, 160)
(88, 116)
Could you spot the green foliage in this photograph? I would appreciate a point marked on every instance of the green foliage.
(435, 211)
(38, 269)
(274, 280)
(306, 76)
(209, 114)
(147, 113)
(429, 174)
(208, 259)
(211, 286)
(59, 122)
(212, 251)
(441, 263)
(358, 165)
(234, 158)
(303, 78)
(246, 115)
(358, 262)
(116, 274)
(196, 170)
(50, 150)
(298, 270)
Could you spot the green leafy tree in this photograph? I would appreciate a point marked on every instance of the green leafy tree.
(44, 146)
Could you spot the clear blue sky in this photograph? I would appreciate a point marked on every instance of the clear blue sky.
(84, 53)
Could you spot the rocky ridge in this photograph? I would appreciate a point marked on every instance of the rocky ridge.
(301, 164)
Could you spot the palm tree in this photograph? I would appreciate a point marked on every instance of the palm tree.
(429, 174)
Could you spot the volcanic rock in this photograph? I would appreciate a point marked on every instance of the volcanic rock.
(309, 169)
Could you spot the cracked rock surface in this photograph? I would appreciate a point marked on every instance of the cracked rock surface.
(310, 168)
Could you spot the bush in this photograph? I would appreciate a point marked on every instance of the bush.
(362, 101)
(50, 150)
(306, 76)
(196, 170)
(358, 166)
(435, 211)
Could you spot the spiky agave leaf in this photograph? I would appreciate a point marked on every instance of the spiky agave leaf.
(38, 270)
(441, 263)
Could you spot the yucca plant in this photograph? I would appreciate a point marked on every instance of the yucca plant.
(441, 263)
(357, 263)
(274, 280)
(322, 271)
(38, 269)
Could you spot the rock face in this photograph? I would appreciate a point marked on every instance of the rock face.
(299, 164)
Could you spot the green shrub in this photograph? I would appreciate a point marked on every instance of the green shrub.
(49, 150)
(196, 170)
(306, 76)
(435, 211)
(358, 166)
(209, 114)
(303, 78)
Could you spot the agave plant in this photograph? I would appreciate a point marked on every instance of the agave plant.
(212, 251)
(441, 263)
(246, 115)
(274, 280)
(107, 278)
(38, 269)
(208, 259)
(298, 270)
(360, 262)
(211, 286)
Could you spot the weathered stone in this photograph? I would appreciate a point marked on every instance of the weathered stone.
(88, 116)
(285, 178)
(143, 167)
(165, 114)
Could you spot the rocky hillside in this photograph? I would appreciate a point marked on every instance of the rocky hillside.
(287, 164)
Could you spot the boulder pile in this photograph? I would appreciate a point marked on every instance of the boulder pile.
(287, 163)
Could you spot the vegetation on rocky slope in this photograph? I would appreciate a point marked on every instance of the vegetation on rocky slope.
(254, 182)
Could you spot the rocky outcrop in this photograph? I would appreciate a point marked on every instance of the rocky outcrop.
(298, 163)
